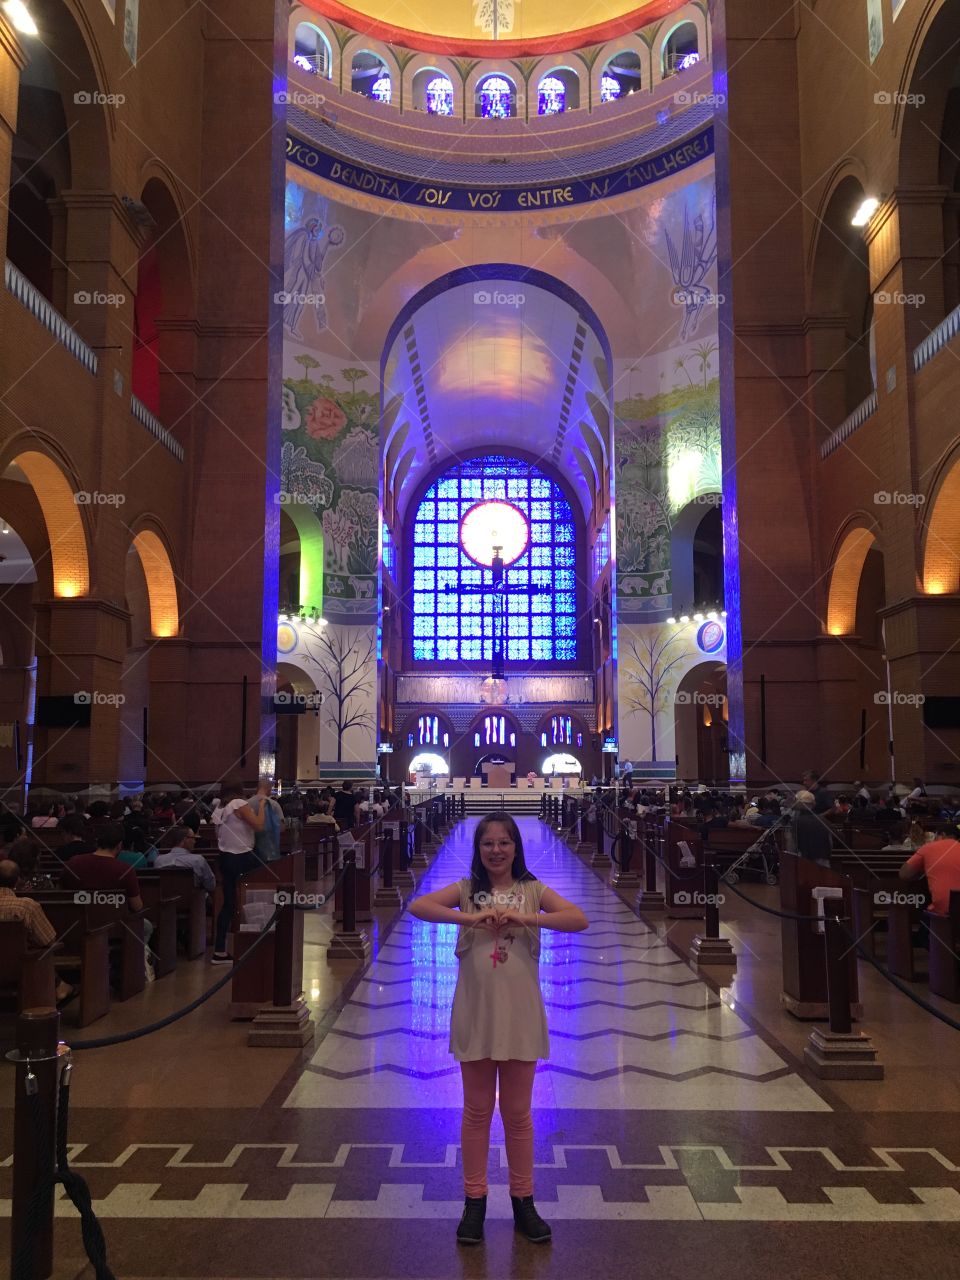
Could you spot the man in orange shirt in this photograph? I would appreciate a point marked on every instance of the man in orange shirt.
(939, 861)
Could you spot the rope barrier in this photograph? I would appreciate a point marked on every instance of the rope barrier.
(771, 911)
(901, 986)
(105, 1042)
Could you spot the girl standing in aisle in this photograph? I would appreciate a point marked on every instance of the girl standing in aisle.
(498, 1025)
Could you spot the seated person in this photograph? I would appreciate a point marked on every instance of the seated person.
(40, 932)
(713, 820)
(812, 835)
(139, 853)
(103, 871)
(182, 855)
(939, 861)
(25, 852)
(78, 836)
(841, 807)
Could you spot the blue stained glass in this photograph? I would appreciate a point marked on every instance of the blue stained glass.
(451, 624)
(439, 96)
(495, 98)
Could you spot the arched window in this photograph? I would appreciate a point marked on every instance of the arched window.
(682, 49)
(609, 88)
(552, 96)
(311, 52)
(622, 76)
(494, 733)
(453, 598)
(381, 89)
(429, 730)
(495, 98)
(440, 96)
(561, 731)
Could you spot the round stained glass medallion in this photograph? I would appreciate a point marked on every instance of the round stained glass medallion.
(710, 637)
(494, 524)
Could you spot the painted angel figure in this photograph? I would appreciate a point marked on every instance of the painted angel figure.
(494, 17)
(304, 253)
(690, 266)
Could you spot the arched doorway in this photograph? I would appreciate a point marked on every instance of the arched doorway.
(298, 731)
(700, 720)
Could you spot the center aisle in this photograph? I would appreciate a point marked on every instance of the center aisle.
(631, 1026)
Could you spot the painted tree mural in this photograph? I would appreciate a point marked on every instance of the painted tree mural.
(345, 660)
(647, 665)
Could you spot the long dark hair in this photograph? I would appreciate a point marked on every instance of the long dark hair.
(479, 876)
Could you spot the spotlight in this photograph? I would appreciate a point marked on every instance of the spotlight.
(283, 615)
(21, 17)
(698, 617)
(671, 622)
(684, 617)
(712, 615)
(866, 211)
(4, 527)
(723, 613)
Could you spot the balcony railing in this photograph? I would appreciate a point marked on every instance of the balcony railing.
(947, 328)
(51, 319)
(156, 427)
(440, 689)
(849, 425)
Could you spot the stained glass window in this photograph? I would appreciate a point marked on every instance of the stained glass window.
(495, 96)
(429, 731)
(381, 89)
(601, 549)
(609, 88)
(552, 96)
(562, 730)
(454, 622)
(440, 97)
(389, 554)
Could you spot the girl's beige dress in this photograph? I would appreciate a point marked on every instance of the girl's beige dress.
(498, 1008)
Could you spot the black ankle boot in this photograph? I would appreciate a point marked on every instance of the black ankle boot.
(528, 1221)
(470, 1230)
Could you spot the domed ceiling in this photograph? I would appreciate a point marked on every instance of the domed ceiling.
(557, 24)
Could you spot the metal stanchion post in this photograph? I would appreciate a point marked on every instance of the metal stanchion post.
(388, 895)
(350, 943)
(34, 1144)
(708, 948)
(599, 858)
(624, 875)
(285, 1023)
(840, 1053)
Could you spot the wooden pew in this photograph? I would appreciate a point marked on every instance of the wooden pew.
(191, 906)
(85, 945)
(27, 973)
(124, 931)
(944, 944)
(161, 903)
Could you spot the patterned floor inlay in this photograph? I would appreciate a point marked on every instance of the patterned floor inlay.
(631, 1029)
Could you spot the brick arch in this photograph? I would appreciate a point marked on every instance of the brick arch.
(63, 521)
(845, 580)
(941, 543)
(161, 584)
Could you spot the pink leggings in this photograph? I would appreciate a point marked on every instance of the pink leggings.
(479, 1091)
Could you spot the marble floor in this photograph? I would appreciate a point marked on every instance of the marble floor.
(677, 1134)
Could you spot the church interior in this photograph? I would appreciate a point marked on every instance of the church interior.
(428, 425)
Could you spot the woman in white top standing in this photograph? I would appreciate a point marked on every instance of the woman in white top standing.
(237, 825)
(498, 1025)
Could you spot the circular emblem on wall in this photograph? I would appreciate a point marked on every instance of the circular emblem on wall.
(494, 524)
(710, 637)
(287, 638)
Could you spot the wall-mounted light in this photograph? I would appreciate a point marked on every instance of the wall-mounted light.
(4, 527)
(712, 615)
(20, 17)
(867, 209)
(671, 622)
(684, 618)
(698, 617)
